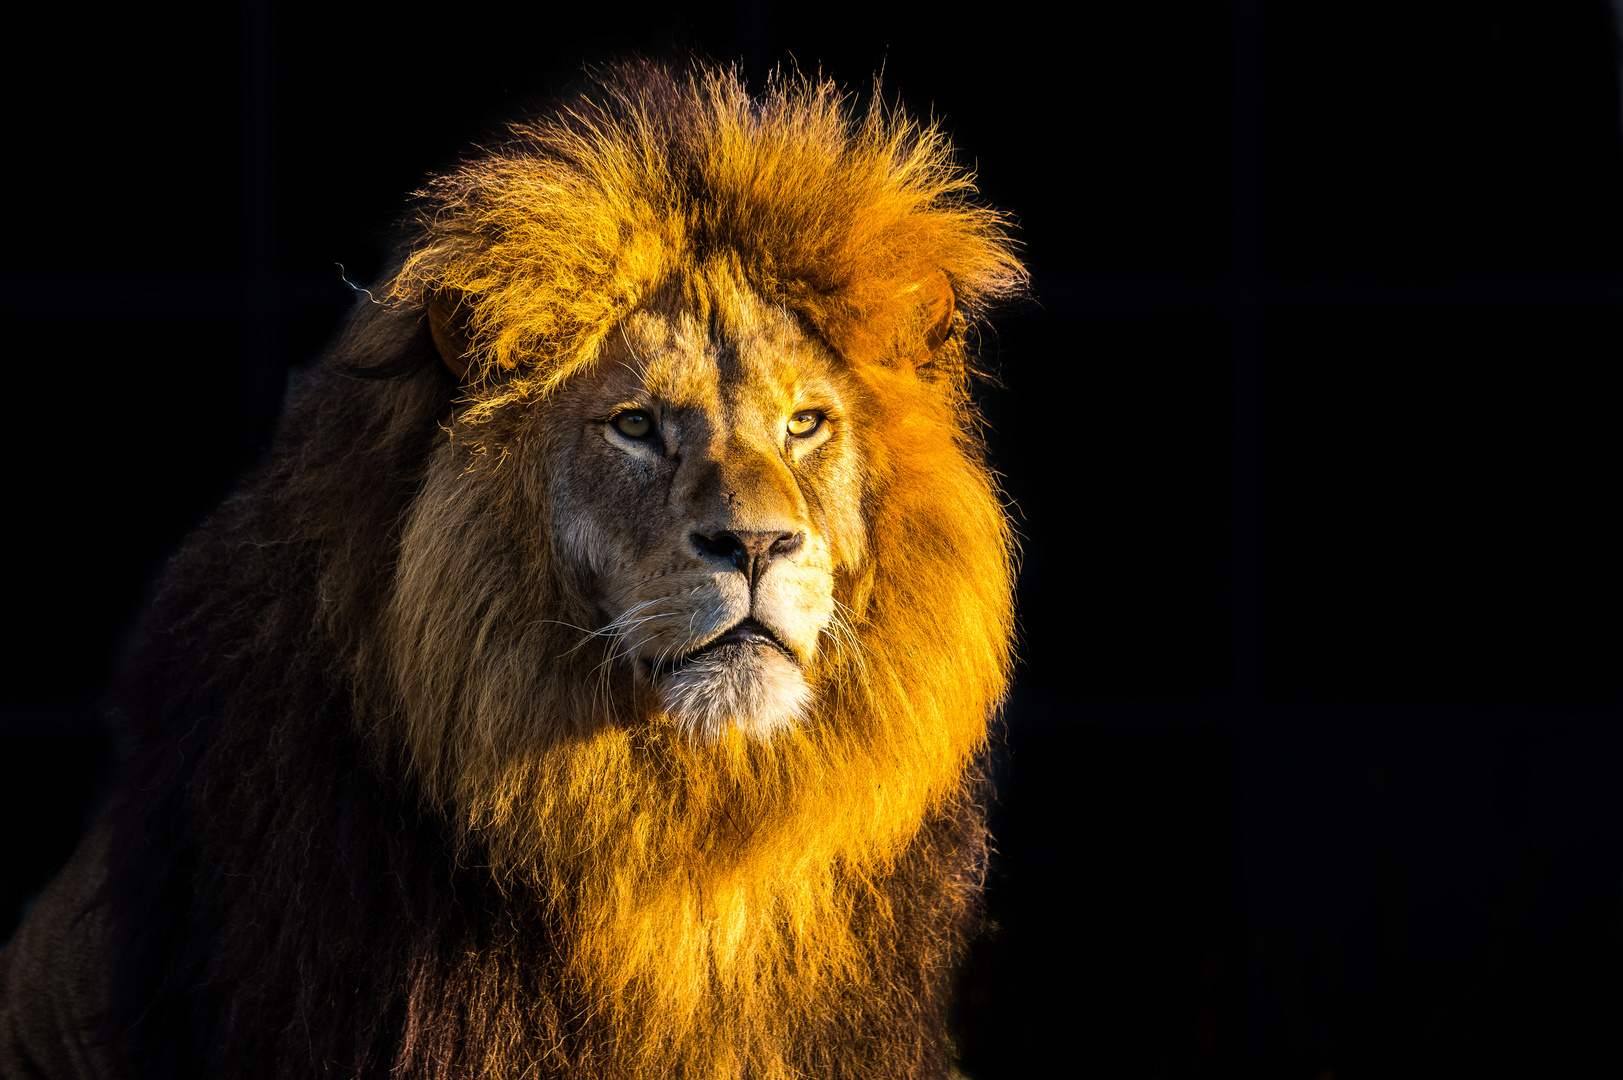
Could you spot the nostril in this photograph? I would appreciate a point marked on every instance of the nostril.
(725, 546)
(787, 544)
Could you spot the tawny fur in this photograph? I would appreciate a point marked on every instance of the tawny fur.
(397, 811)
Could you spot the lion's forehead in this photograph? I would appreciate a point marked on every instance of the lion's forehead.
(743, 370)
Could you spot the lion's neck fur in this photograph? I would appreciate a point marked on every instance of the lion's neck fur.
(713, 899)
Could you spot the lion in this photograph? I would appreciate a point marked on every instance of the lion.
(592, 680)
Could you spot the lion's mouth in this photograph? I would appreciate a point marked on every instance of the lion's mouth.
(743, 633)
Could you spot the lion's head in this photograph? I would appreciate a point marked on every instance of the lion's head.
(704, 603)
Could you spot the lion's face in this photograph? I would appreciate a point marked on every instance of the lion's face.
(705, 490)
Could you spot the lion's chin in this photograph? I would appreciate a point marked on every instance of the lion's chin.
(753, 686)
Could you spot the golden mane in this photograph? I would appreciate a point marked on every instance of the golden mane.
(712, 900)
(582, 216)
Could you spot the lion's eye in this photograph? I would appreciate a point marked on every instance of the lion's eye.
(635, 423)
(802, 424)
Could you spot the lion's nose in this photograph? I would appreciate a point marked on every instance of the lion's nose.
(750, 552)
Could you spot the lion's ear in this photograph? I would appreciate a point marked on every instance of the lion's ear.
(932, 315)
(907, 330)
(448, 323)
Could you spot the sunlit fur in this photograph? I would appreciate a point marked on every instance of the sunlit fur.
(716, 899)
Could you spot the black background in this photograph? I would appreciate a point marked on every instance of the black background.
(1314, 767)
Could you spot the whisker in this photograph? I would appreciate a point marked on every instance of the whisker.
(846, 638)
(615, 628)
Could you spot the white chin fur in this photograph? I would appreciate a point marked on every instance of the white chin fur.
(753, 686)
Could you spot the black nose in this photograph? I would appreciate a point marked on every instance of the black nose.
(749, 552)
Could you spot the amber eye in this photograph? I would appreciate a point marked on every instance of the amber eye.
(635, 423)
(802, 424)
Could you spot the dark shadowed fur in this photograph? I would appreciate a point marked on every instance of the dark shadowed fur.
(280, 903)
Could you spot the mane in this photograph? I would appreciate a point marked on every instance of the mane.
(383, 796)
(579, 217)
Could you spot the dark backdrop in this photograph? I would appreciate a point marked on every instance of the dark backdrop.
(1313, 767)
